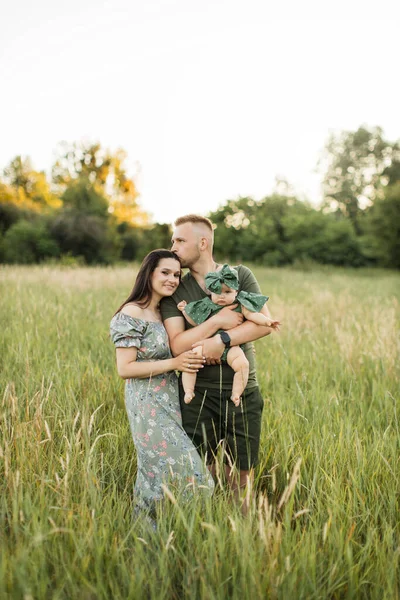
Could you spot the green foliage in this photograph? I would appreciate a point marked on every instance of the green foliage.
(91, 213)
(85, 235)
(29, 188)
(2, 249)
(86, 161)
(83, 227)
(281, 230)
(26, 242)
(17, 173)
(253, 231)
(69, 260)
(9, 214)
(82, 197)
(157, 236)
(137, 242)
(322, 238)
(106, 172)
(358, 165)
(383, 227)
(7, 194)
(131, 241)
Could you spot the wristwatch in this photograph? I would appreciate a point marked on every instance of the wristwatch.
(226, 338)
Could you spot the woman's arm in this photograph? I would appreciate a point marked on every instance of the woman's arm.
(129, 368)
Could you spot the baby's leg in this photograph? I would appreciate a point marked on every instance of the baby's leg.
(237, 360)
(189, 379)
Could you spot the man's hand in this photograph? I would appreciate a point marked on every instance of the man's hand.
(227, 318)
(213, 349)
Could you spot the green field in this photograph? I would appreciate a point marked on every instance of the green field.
(330, 381)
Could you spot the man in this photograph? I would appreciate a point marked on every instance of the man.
(211, 416)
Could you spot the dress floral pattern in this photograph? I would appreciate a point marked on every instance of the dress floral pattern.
(165, 454)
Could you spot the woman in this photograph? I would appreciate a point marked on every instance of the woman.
(165, 454)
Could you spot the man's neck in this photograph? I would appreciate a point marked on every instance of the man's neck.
(200, 269)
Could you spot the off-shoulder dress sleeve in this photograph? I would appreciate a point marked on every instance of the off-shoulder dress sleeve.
(127, 332)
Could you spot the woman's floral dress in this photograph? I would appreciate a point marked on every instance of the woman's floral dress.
(165, 454)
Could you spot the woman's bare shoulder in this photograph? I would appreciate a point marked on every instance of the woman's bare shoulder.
(133, 311)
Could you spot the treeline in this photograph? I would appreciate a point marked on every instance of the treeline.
(281, 230)
(88, 211)
(357, 224)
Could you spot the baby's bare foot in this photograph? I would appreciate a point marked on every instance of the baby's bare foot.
(235, 400)
(188, 397)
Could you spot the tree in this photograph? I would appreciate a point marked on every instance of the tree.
(83, 227)
(358, 167)
(9, 211)
(85, 235)
(27, 188)
(280, 229)
(383, 227)
(253, 231)
(106, 172)
(319, 237)
(26, 242)
(82, 197)
(139, 241)
(75, 161)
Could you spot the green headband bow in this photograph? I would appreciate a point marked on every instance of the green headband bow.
(226, 275)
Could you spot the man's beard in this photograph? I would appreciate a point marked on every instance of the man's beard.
(187, 263)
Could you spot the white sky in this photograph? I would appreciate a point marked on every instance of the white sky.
(212, 98)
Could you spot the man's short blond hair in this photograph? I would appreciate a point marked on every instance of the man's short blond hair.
(195, 219)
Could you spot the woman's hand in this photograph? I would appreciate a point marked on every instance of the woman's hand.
(189, 362)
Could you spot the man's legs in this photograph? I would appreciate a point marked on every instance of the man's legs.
(243, 441)
(212, 417)
(241, 484)
(202, 420)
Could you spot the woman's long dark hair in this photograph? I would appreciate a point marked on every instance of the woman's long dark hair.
(142, 290)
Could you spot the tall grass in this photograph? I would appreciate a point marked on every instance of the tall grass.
(325, 520)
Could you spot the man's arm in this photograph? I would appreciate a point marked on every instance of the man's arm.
(246, 332)
(181, 340)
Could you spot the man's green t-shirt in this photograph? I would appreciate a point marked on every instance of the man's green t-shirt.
(218, 376)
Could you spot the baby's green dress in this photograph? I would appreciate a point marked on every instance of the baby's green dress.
(165, 454)
(200, 310)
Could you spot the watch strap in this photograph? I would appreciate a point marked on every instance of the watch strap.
(226, 338)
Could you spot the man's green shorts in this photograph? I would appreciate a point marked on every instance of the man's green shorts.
(211, 420)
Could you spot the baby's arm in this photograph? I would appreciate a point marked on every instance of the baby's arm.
(259, 318)
(181, 306)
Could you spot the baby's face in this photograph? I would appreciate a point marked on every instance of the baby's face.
(226, 297)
